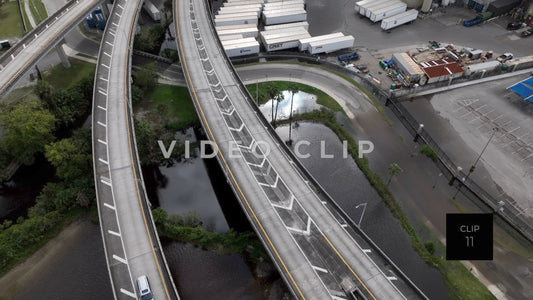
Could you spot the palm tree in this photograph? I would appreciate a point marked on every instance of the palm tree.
(292, 88)
(274, 95)
(394, 169)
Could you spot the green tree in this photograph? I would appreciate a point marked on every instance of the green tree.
(68, 159)
(292, 88)
(67, 105)
(145, 78)
(44, 91)
(28, 128)
(394, 169)
(274, 95)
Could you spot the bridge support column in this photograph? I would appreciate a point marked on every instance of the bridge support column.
(62, 56)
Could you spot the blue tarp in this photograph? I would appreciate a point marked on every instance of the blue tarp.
(524, 89)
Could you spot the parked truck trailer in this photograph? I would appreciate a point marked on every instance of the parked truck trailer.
(331, 45)
(272, 18)
(304, 43)
(386, 12)
(399, 19)
(152, 10)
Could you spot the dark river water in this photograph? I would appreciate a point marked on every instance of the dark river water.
(200, 186)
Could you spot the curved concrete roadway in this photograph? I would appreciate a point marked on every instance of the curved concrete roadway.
(16, 61)
(312, 250)
(130, 240)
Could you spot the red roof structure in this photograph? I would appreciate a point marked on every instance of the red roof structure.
(442, 68)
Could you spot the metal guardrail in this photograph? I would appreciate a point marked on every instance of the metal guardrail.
(319, 190)
(510, 214)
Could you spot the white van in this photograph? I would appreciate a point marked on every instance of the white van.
(144, 288)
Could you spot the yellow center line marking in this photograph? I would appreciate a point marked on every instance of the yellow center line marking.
(199, 106)
(346, 263)
(126, 81)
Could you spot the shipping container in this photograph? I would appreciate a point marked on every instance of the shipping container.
(241, 3)
(247, 19)
(276, 1)
(233, 14)
(284, 8)
(272, 34)
(359, 3)
(237, 9)
(303, 24)
(230, 37)
(363, 7)
(304, 43)
(371, 9)
(331, 45)
(239, 26)
(152, 10)
(399, 19)
(281, 3)
(237, 41)
(245, 32)
(283, 43)
(387, 12)
(284, 17)
(242, 49)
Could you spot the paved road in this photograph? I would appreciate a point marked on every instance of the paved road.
(312, 250)
(35, 44)
(130, 240)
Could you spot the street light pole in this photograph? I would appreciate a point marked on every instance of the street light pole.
(473, 167)
(362, 214)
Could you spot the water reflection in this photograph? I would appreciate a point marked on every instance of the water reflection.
(348, 186)
(302, 103)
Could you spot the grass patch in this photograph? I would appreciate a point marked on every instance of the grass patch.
(460, 282)
(10, 21)
(188, 229)
(174, 105)
(322, 98)
(38, 10)
(429, 152)
(60, 77)
(26, 19)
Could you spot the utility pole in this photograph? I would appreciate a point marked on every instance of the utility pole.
(473, 167)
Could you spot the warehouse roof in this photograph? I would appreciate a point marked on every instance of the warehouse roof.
(441, 67)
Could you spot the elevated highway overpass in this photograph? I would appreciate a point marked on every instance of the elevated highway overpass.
(131, 243)
(311, 247)
(15, 62)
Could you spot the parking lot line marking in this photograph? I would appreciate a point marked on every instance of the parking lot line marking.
(101, 124)
(102, 92)
(105, 53)
(320, 269)
(105, 66)
(102, 142)
(103, 161)
(392, 278)
(105, 182)
(102, 108)
(106, 80)
(107, 42)
(113, 233)
(120, 259)
(109, 206)
(125, 292)
(118, 15)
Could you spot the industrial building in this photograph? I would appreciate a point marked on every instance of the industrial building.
(442, 69)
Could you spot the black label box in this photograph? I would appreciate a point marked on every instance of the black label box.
(469, 237)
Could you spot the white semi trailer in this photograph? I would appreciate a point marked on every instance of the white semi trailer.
(152, 10)
(304, 43)
(399, 19)
(387, 12)
(276, 17)
(331, 45)
(241, 49)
